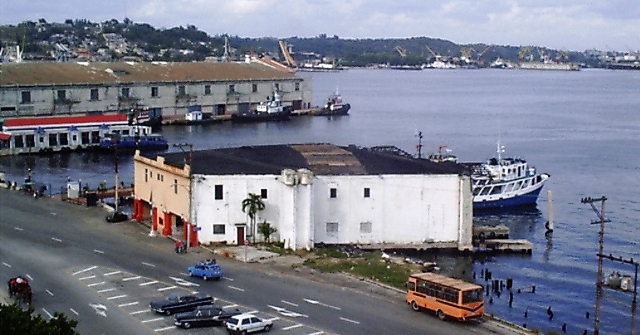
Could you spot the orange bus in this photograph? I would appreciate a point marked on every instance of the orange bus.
(447, 297)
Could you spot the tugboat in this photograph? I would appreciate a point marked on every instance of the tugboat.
(271, 110)
(505, 182)
(334, 106)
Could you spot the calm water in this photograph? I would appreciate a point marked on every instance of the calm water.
(581, 127)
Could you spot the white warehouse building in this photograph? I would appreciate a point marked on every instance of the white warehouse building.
(313, 193)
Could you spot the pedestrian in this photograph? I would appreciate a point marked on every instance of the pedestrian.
(550, 313)
(177, 246)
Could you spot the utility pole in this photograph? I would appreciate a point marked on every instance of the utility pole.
(117, 138)
(419, 146)
(182, 146)
(599, 284)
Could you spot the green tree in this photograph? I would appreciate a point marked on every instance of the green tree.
(252, 205)
(18, 321)
(266, 230)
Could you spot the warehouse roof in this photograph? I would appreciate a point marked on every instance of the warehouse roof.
(320, 158)
(25, 74)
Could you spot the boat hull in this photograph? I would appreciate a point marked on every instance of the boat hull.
(525, 198)
(343, 110)
(260, 117)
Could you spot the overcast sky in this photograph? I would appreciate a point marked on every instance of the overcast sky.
(559, 24)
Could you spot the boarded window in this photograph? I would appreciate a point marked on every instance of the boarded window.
(94, 94)
(219, 229)
(26, 97)
(154, 91)
(365, 227)
(207, 89)
(332, 227)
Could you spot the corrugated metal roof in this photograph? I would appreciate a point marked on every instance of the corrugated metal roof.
(24, 74)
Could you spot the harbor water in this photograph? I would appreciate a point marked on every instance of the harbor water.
(581, 127)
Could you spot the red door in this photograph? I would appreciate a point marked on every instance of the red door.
(240, 237)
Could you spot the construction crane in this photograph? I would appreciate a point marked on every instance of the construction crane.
(431, 51)
(401, 51)
(287, 56)
(483, 52)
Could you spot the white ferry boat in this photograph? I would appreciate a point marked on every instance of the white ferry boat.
(33, 135)
(505, 182)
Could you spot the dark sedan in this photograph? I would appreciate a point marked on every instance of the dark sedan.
(114, 217)
(205, 315)
(180, 302)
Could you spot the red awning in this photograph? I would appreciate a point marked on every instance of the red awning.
(5, 136)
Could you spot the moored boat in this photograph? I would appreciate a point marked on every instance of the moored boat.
(270, 110)
(505, 182)
(334, 106)
(140, 138)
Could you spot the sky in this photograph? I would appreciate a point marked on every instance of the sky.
(575, 25)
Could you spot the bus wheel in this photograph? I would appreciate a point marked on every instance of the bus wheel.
(440, 314)
(414, 306)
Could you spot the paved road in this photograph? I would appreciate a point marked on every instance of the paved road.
(104, 276)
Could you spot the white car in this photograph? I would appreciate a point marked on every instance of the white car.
(247, 323)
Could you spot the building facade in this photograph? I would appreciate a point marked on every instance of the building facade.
(169, 89)
(313, 193)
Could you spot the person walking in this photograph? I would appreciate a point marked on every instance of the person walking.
(178, 246)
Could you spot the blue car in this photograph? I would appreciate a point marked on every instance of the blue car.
(206, 270)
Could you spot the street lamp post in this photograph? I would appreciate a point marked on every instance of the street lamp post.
(182, 146)
(115, 144)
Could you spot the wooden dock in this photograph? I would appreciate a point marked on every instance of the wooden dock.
(506, 245)
(490, 232)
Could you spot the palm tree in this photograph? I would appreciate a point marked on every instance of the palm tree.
(252, 205)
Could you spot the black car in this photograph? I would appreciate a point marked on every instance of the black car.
(181, 302)
(205, 315)
(114, 216)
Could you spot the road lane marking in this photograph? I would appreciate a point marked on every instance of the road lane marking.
(163, 329)
(236, 288)
(50, 293)
(148, 283)
(139, 312)
(6, 264)
(152, 320)
(148, 264)
(166, 288)
(56, 239)
(84, 270)
(87, 277)
(349, 320)
(29, 276)
(74, 311)
(96, 284)
(286, 312)
(107, 290)
(129, 304)
(112, 273)
(18, 228)
(227, 278)
(292, 327)
(316, 333)
(117, 297)
(273, 319)
(315, 302)
(230, 306)
(47, 312)
(289, 303)
(98, 251)
(131, 278)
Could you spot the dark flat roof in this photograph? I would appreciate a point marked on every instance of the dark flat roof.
(320, 158)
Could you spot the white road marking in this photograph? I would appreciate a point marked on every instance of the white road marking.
(29, 276)
(316, 333)
(227, 278)
(131, 278)
(112, 273)
(47, 312)
(50, 293)
(315, 302)
(292, 327)
(6, 264)
(107, 290)
(230, 306)
(139, 312)
(149, 283)
(129, 304)
(236, 288)
(163, 329)
(84, 270)
(152, 320)
(286, 312)
(166, 288)
(56, 239)
(74, 311)
(349, 320)
(289, 303)
(96, 284)
(117, 297)
(87, 277)
(148, 264)
(98, 251)
(18, 228)
(273, 319)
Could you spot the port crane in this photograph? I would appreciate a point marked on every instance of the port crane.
(401, 51)
(284, 48)
(483, 52)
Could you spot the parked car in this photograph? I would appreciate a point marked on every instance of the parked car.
(114, 216)
(206, 270)
(205, 315)
(181, 302)
(247, 323)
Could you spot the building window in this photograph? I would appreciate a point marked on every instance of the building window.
(26, 97)
(332, 227)
(232, 88)
(125, 92)
(182, 90)
(146, 177)
(333, 192)
(175, 186)
(150, 174)
(297, 87)
(367, 192)
(207, 89)
(254, 88)
(62, 95)
(154, 91)
(218, 192)
(94, 95)
(365, 227)
(218, 229)
(263, 193)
